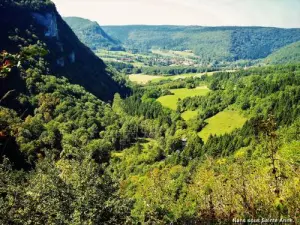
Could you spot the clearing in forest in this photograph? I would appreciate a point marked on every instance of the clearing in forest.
(170, 101)
(222, 123)
(187, 115)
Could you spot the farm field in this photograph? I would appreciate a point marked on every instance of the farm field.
(181, 76)
(143, 79)
(174, 53)
(170, 101)
(118, 53)
(222, 123)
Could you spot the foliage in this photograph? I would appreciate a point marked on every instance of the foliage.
(287, 54)
(138, 162)
(224, 122)
(66, 141)
(67, 56)
(212, 44)
(170, 101)
(68, 157)
(142, 79)
(187, 115)
(91, 34)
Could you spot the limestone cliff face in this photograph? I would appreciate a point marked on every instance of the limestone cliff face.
(72, 57)
(48, 20)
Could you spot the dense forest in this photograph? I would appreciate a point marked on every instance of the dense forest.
(127, 68)
(210, 43)
(73, 154)
(287, 54)
(212, 48)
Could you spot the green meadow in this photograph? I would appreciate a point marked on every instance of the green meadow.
(171, 53)
(187, 115)
(181, 76)
(143, 79)
(170, 101)
(222, 123)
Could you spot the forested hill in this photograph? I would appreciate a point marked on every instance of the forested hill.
(228, 149)
(91, 34)
(287, 54)
(211, 43)
(28, 23)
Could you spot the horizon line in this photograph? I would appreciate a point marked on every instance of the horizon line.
(181, 25)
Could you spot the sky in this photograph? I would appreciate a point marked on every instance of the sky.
(273, 13)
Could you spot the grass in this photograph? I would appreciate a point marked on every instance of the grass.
(170, 101)
(187, 115)
(184, 92)
(145, 142)
(222, 123)
(143, 79)
(138, 64)
(117, 154)
(171, 53)
(181, 76)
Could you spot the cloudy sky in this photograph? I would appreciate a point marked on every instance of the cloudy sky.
(275, 13)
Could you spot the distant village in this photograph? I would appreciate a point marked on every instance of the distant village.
(153, 59)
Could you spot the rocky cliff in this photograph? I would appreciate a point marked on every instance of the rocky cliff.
(38, 22)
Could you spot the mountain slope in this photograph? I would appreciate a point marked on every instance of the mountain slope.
(39, 23)
(287, 54)
(211, 43)
(91, 34)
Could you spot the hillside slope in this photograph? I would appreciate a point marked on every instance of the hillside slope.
(91, 34)
(211, 43)
(68, 158)
(40, 23)
(287, 54)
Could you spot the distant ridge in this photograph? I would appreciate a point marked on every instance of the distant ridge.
(228, 43)
(287, 54)
(91, 34)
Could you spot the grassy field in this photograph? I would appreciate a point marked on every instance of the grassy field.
(223, 122)
(170, 101)
(143, 79)
(187, 115)
(181, 76)
(119, 53)
(171, 53)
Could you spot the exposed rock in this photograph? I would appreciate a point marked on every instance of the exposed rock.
(61, 46)
(72, 57)
(49, 21)
(60, 62)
